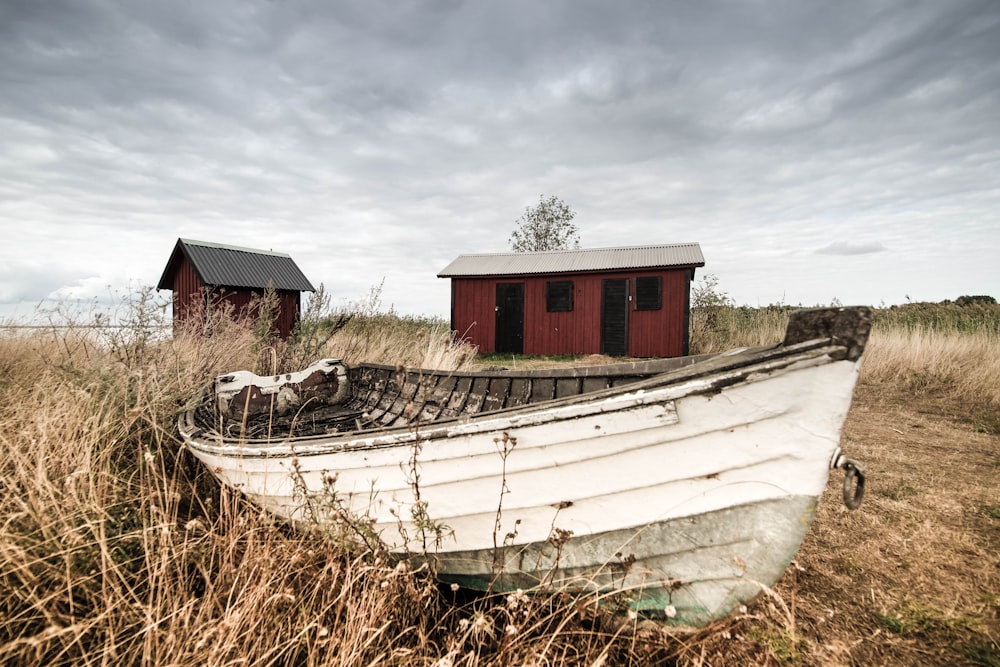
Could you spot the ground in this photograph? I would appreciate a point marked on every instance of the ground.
(913, 576)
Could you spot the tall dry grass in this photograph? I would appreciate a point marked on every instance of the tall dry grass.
(390, 339)
(720, 328)
(958, 370)
(947, 351)
(946, 347)
(117, 548)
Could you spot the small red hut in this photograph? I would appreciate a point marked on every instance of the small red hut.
(632, 301)
(201, 274)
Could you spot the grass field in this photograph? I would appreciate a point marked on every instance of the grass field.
(117, 548)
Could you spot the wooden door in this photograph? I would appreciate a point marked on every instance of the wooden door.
(614, 317)
(510, 318)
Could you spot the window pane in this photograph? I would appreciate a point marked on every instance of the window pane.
(559, 296)
(647, 293)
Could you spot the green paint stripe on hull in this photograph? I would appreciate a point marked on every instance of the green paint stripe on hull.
(700, 567)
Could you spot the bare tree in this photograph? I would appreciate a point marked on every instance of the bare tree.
(547, 226)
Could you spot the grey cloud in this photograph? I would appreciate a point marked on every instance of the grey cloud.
(22, 281)
(848, 248)
(385, 133)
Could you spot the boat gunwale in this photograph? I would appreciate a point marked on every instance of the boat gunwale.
(623, 368)
(779, 357)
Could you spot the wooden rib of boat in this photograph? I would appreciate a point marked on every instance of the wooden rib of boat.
(678, 487)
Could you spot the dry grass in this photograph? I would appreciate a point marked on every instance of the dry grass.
(948, 365)
(387, 339)
(721, 328)
(116, 548)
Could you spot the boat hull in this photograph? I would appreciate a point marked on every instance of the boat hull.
(689, 570)
(681, 500)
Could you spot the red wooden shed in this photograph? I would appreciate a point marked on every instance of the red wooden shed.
(632, 301)
(202, 274)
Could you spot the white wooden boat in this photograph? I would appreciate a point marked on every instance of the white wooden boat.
(676, 487)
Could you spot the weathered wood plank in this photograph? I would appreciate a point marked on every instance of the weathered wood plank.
(458, 397)
(496, 395)
(567, 387)
(542, 389)
(520, 392)
(477, 395)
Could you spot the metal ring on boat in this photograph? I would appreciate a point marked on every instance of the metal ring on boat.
(853, 471)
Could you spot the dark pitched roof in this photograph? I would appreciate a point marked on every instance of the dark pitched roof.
(220, 265)
(675, 255)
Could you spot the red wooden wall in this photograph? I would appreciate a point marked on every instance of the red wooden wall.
(189, 295)
(651, 333)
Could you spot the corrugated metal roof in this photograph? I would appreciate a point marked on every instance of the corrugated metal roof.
(220, 265)
(569, 261)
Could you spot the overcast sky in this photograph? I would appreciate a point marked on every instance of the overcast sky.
(816, 150)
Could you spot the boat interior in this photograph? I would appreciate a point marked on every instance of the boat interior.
(328, 397)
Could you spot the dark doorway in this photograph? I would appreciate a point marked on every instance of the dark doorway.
(510, 318)
(614, 318)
